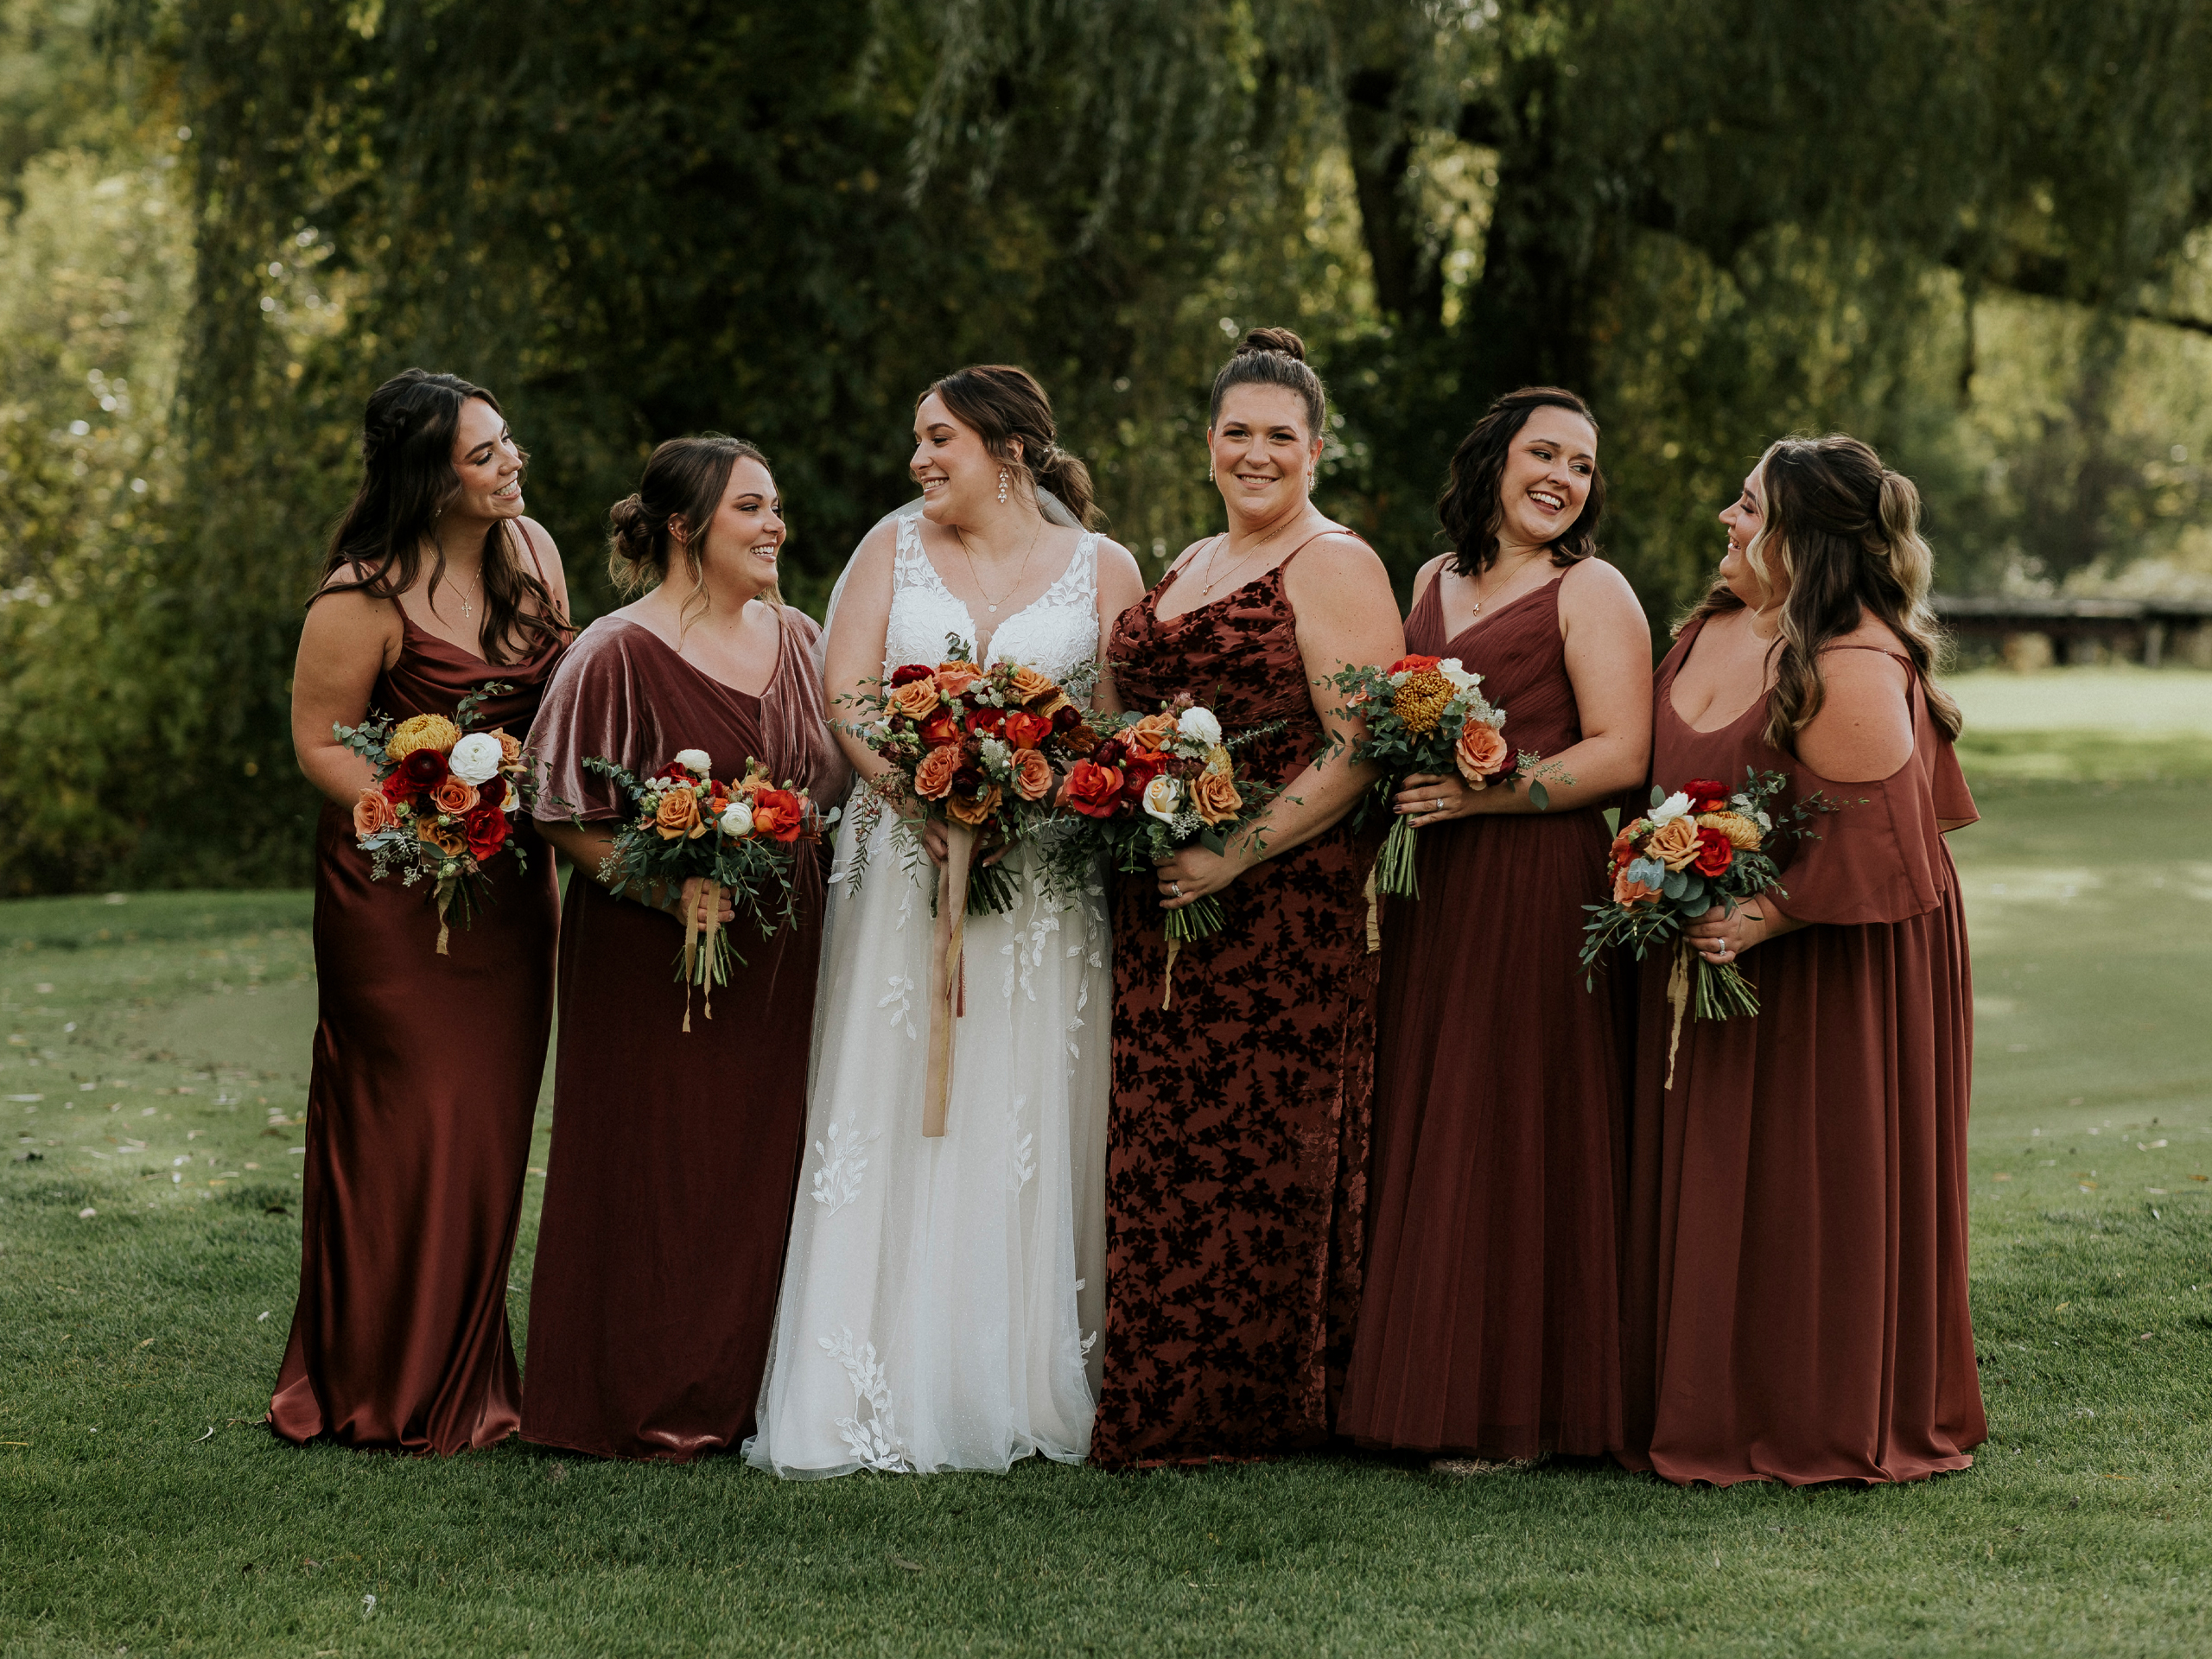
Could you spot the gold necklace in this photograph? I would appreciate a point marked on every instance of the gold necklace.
(1206, 592)
(1478, 587)
(973, 575)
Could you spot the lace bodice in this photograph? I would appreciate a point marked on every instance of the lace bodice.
(1055, 634)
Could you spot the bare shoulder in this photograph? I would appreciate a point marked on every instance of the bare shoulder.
(1872, 673)
(1112, 555)
(1872, 633)
(1428, 573)
(1593, 578)
(340, 605)
(541, 541)
(878, 547)
(1192, 552)
(1336, 561)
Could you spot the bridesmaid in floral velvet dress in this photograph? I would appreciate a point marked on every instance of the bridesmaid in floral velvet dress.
(426, 1066)
(1236, 1153)
(676, 1153)
(1795, 1283)
(1491, 1322)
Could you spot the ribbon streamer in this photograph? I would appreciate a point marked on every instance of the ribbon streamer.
(699, 941)
(948, 973)
(1678, 998)
(1374, 910)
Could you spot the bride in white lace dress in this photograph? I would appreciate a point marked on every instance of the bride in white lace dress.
(941, 1297)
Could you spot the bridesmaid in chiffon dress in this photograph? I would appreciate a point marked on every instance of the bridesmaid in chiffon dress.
(1236, 1151)
(426, 1066)
(1491, 1322)
(1796, 1281)
(676, 1153)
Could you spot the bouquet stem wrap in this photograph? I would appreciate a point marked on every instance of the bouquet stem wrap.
(945, 970)
(446, 886)
(699, 941)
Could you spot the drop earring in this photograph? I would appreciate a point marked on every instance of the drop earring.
(1209, 472)
(1001, 487)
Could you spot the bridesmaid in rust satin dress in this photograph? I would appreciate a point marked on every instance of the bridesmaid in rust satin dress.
(1236, 1151)
(676, 1153)
(1491, 1322)
(1795, 1279)
(426, 1067)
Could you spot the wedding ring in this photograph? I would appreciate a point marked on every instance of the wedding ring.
(1174, 889)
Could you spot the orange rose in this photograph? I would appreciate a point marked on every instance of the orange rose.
(677, 817)
(1626, 891)
(1673, 843)
(1480, 753)
(372, 814)
(1148, 734)
(978, 811)
(953, 678)
(1214, 796)
(453, 797)
(914, 699)
(1033, 775)
(1032, 686)
(933, 778)
(510, 749)
(449, 839)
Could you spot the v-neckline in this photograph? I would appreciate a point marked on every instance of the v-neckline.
(1683, 720)
(983, 650)
(774, 671)
(1482, 621)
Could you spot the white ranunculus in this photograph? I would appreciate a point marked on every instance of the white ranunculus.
(737, 823)
(1460, 678)
(476, 757)
(1161, 797)
(1199, 723)
(693, 761)
(1675, 806)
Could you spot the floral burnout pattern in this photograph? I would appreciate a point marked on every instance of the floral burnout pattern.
(1236, 1151)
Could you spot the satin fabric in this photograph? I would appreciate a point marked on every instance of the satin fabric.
(425, 1078)
(668, 1193)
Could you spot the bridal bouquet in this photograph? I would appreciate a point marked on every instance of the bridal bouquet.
(1428, 714)
(1157, 782)
(443, 802)
(741, 839)
(1699, 847)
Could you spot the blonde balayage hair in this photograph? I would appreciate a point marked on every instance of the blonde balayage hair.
(1843, 532)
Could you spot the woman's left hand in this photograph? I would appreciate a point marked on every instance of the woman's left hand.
(1192, 874)
(1429, 797)
(1722, 935)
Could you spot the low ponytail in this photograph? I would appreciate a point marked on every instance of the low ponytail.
(1067, 477)
(1012, 414)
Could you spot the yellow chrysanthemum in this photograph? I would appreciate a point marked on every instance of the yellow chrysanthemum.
(422, 732)
(1743, 834)
(1421, 701)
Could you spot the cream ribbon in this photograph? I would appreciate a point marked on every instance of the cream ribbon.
(1678, 998)
(699, 945)
(946, 999)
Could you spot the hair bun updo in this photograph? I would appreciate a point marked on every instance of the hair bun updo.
(1272, 340)
(631, 527)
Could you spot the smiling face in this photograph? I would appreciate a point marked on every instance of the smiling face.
(958, 475)
(1262, 451)
(747, 532)
(1745, 517)
(1548, 466)
(488, 463)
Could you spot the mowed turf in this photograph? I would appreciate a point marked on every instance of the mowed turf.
(143, 1507)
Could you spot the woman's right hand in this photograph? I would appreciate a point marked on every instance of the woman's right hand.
(692, 902)
(935, 844)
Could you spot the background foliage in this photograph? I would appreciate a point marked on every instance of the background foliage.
(1973, 230)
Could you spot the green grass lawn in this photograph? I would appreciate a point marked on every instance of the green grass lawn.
(157, 1066)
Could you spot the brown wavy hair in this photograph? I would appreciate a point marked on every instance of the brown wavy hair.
(1006, 404)
(407, 481)
(1272, 356)
(1844, 531)
(1472, 507)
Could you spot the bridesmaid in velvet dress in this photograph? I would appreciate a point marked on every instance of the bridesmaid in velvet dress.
(675, 1155)
(426, 1067)
(1795, 1285)
(1236, 1151)
(1489, 1325)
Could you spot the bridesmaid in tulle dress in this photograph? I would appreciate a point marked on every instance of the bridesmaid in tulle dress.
(426, 1066)
(1236, 1155)
(668, 1197)
(1795, 1279)
(1489, 1325)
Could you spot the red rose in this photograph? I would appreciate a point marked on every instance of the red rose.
(1066, 717)
(987, 722)
(1706, 795)
(424, 768)
(1092, 789)
(941, 728)
(909, 674)
(487, 828)
(1715, 853)
(1026, 731)
(1408, 665)
(778, 813)
(1141, 766)
(397, 786)
(493, 791)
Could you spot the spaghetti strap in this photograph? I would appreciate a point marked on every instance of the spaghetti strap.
(1283, 563)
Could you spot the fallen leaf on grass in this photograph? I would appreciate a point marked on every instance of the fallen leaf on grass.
(86, 1213)
(147, 1343)
(259, 1317)
(209, 1435)
(2002, 1175)
(906, 1566)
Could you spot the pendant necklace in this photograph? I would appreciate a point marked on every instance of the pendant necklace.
(1206, 592)
(993, 604)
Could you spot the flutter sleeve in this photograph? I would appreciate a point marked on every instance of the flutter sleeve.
(795, 722)
(593, 709)
(1880, 856)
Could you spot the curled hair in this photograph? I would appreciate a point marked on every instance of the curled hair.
(1472, 507)
(1011, 413)
(1844, 531)
(672, 507)
(1272, 356)
(407, 481)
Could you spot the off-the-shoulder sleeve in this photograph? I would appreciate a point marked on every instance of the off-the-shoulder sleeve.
(1880, 856)
(593, 710)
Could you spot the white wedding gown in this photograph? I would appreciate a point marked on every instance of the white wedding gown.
(941, 1297)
